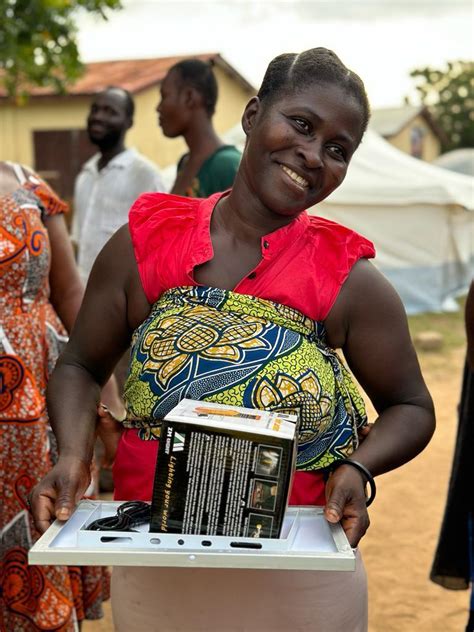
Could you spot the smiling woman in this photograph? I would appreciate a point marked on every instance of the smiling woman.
(297, 136)
(242, 298)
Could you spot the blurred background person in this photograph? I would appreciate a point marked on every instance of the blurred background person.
(453, 565)
(111, 180)
(105, 188)
(40, 294)
(187, 105)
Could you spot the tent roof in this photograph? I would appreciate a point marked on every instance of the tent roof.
(380, 173)
(459, 160)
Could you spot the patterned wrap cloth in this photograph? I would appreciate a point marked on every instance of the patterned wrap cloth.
(220, 346)
(32, 598)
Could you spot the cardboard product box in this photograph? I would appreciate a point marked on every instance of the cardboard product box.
(223, 470)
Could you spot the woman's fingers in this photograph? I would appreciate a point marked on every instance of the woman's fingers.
(57, 495)
(42, 508)
(345, 502)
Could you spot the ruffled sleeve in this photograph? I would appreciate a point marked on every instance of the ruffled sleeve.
(51, 203)
(335, 250)
(157, 223)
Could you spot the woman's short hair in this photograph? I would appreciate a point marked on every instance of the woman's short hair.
(290, 72)
(200, 76)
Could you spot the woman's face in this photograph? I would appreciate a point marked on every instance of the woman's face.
(299, 147)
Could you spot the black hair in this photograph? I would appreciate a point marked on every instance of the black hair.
(291, 72)
(199, 75)
(129, 102)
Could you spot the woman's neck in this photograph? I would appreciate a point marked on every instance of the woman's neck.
(243, 214)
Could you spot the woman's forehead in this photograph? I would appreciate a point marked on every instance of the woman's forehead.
(314, 93)
(317, 97)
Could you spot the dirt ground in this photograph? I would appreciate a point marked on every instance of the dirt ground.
(405, 519)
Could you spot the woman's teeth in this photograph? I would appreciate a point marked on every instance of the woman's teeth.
(294, 176)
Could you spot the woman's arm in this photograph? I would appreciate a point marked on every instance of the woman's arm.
(369, 322)
(114, 305)
(66, 286)
(67, 292)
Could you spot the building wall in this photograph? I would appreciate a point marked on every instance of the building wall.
(17, 123)
(430, 144)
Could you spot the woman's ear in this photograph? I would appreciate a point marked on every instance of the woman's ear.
(250, 114)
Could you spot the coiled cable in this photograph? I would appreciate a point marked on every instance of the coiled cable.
(130, 514)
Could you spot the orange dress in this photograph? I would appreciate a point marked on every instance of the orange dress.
(32, 598)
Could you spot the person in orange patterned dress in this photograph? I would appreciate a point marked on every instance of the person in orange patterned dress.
(40, 294)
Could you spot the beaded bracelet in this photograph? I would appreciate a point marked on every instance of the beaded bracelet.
(365, 473)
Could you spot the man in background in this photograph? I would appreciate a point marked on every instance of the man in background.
(111, 180)
(104, 191)
(187, 105)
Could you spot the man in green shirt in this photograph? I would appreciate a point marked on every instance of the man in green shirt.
(188, 100)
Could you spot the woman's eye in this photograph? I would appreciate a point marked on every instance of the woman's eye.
(337, 151)
(302, 124)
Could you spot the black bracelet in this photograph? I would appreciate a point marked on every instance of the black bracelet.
(364, 471)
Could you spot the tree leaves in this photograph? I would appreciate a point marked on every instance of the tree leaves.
(38, 44)
(449, 95)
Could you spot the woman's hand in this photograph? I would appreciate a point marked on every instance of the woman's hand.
(345, 502)
(57, 494)
(109, 430)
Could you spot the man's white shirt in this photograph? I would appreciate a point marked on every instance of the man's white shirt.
(102, 200)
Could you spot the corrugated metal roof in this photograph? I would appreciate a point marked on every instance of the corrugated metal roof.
(389, 121)
(134, 75)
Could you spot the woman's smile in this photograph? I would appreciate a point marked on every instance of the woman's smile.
(295, 178)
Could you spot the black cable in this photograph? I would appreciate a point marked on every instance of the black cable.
(130, 514)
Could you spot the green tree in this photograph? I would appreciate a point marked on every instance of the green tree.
(449, 95)
(38, 42)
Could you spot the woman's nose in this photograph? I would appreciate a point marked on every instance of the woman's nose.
(312, 154)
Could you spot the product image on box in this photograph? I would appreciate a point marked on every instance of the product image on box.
(223, 470)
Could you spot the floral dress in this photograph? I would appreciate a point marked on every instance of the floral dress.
(32, 598)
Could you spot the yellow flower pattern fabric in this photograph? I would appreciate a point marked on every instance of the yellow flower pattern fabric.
(219, 346)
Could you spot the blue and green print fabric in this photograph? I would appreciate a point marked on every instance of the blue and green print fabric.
(219, 346)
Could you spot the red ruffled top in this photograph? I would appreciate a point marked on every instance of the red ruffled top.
(303, 265)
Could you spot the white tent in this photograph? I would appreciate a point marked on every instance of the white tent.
(420, 218)
(459, 160)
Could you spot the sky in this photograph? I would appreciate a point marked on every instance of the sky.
(381, 40)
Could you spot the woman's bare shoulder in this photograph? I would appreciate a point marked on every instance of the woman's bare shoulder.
(116, 271)
(366, 298)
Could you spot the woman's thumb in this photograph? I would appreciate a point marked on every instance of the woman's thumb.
(334, 508)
